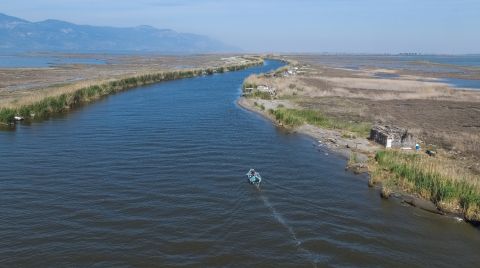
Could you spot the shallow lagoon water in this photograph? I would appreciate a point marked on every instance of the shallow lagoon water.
(156, 177)
(442, 64)
(462, 83)
(36, 61)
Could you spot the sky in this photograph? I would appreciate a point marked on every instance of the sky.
(335, 26)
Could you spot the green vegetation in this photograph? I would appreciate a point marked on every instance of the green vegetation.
(295, 117)
(260, 106)
(250, 91)
(63, 102)
(6, 115)
(353, 159)
(430, 178)
(257, 94)
(280, 71)
(209, 71)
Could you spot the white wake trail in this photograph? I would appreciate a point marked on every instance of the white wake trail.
(282, 221)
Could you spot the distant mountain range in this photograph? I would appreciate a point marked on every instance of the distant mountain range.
(53, 35)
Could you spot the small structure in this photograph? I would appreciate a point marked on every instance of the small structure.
(290, 72)
(272, 91)
(263, 88)
(392, 137)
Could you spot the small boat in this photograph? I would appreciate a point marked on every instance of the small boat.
(18, 118)
(254, 177)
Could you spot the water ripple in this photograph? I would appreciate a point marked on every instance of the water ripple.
(155, 177)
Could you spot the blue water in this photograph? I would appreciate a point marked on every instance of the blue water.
(32, 61)
(437, 64)
(462, 83)
(155, 177)
(386, 75)
(458, 60)
(423, 63)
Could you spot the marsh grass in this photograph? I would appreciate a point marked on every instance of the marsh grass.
(431, 178)
(6, 115)
(353, 159)
(296, 117)
(257, 94)
(64, 99)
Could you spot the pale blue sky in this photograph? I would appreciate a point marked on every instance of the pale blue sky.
(358, 26)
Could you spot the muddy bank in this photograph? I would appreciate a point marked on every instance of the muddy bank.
(330, 139)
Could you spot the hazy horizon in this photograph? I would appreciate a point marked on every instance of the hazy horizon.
(304, 26)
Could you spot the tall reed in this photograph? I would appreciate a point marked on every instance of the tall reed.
(62, 102)
(432, 179)
(296, 117)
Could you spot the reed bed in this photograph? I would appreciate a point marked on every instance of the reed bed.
(448, 186)
(296, 117)
(63, 99)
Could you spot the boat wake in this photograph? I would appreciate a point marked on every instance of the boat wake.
(280, 219)
(277, 216)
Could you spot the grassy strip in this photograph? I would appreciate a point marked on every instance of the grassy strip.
(257, 94)
(6, 115)
(63, 102)
(431, 179)
(295, 117)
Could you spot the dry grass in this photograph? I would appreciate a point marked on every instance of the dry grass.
(47, 102)
(314, 86)
(41, 94)
(437, 179)
(437, 114)
(441, 118)
(26, 85)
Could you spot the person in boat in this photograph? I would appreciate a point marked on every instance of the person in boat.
(254, 177)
